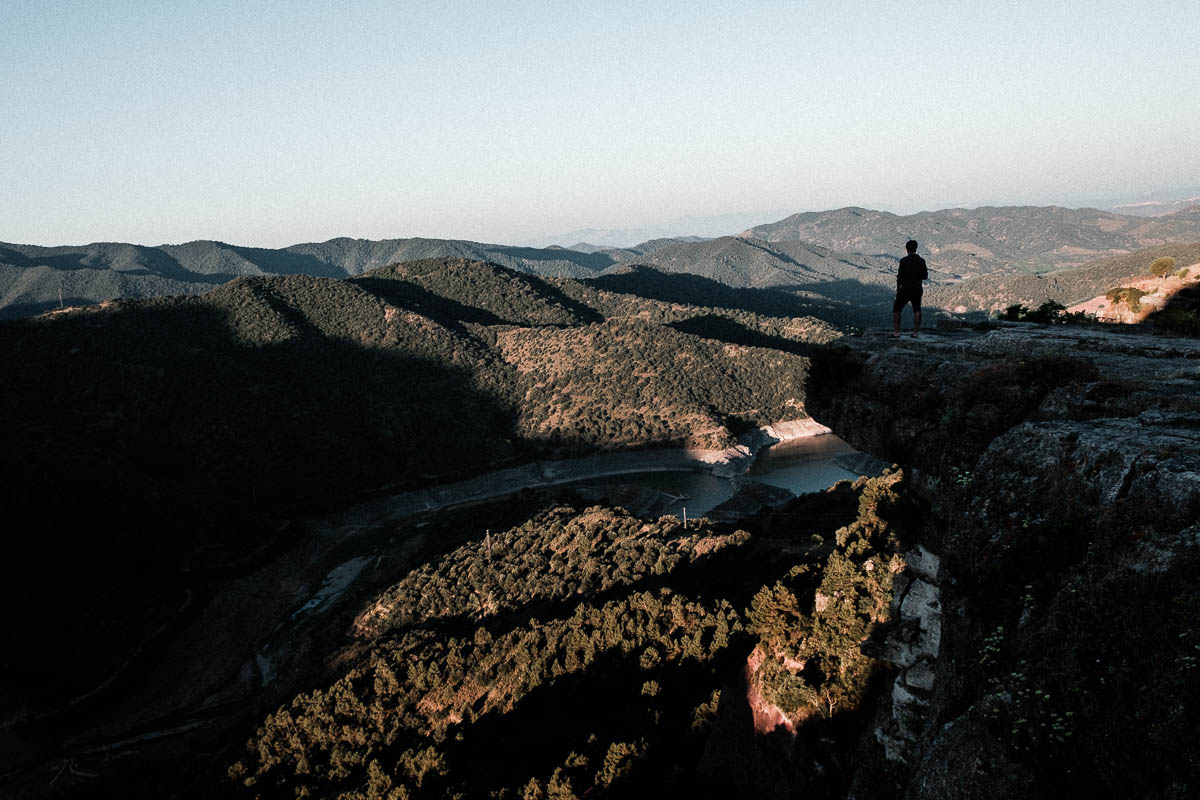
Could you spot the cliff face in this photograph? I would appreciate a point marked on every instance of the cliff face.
(1049, 638)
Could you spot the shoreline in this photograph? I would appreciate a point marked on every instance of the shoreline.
(729, 462)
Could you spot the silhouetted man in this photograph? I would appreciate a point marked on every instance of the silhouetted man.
(908, 288)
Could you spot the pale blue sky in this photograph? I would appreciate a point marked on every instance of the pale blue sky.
(267, 124)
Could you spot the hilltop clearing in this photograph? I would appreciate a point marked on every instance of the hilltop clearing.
(1136, 299)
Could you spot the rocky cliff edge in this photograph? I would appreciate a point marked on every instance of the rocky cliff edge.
(1047, 632)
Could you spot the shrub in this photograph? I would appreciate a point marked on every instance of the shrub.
(1129, 295)
(1014, 313)
(1162, 267)
(1047, 313)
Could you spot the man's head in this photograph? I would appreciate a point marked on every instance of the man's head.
(911, 245)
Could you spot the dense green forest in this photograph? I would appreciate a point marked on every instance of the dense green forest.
(586, 653)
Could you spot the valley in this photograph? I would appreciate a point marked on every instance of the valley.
(419, 532)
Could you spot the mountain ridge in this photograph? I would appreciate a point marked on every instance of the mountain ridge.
(844, 258)
(36, 279)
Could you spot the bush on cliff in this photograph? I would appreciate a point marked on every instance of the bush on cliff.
(1130, 296)
(1048, 313)
(1162, 267)
(811, 624)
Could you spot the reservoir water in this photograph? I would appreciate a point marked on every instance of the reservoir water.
(648, 482)
(800, 466)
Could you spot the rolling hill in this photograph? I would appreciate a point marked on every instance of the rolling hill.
(35, 279)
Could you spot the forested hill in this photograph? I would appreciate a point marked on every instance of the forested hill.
(476, 357)
(37, 279)
(142, 438)
(978, 241)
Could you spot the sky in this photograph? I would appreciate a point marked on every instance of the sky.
(266, 124)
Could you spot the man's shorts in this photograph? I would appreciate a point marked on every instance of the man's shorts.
(906, 295)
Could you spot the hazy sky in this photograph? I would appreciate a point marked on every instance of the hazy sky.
(272, 123)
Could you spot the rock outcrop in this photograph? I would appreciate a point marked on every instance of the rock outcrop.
(1050, 648)
(911, 645)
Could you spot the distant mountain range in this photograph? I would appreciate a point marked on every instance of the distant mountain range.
(845, 257)
(31, 278)
(979, 241)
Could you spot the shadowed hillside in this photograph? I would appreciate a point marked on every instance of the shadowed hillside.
(155, 449)
(686, 289)
(149, 440)
(742, 262)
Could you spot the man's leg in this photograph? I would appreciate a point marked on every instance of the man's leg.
(916, 323)
(895, 323)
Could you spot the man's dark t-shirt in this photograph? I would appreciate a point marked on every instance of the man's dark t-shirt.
(908, 282)
(912, 271)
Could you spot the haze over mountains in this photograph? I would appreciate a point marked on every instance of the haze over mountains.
(1156, 208)
(844, 258)
(683, 227)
